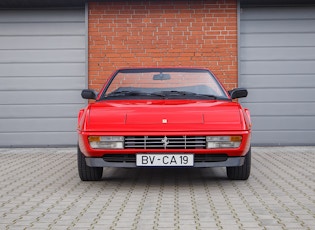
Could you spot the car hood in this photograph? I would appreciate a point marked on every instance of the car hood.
(164, 115)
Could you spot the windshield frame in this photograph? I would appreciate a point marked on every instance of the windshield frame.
(102, 96)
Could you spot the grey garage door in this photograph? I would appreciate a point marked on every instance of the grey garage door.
(277, 58)
(42, 70)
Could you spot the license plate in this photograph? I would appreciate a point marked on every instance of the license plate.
(165, 160)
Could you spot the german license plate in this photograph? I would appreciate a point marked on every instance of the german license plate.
(165, 160)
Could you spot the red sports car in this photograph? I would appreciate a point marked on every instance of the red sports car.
(164, 117)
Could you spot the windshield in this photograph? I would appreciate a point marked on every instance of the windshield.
(163, 83)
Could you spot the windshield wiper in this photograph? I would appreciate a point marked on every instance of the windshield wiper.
(205, 96)
(182, 93)
(125, 93)
(160, 94)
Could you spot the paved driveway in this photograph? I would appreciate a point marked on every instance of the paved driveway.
(40, 189)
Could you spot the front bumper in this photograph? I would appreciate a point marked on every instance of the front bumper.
(229, 162)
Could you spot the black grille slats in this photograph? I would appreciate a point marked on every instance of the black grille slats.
(165, 142)
(119, 158)
(210, 157)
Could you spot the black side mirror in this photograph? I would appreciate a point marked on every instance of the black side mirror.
(238, 93)
(89, 94)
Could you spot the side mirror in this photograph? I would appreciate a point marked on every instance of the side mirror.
(88, 94)
(238, 93)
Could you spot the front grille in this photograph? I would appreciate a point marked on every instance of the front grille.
(210, 157)
(120, 158)
(165, 142)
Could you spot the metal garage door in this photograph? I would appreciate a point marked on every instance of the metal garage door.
(278, 67)
(42, 70)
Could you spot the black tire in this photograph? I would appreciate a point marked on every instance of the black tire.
(87, 173)
(240, 172)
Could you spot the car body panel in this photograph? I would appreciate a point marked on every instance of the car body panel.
(149, 115)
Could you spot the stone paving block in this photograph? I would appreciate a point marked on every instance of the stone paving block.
(40, 189)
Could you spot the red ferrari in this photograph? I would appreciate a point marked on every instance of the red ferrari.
(164, 117)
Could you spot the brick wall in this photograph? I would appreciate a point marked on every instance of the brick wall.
(163, 33)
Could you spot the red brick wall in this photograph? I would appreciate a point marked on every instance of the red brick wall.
(154, 33)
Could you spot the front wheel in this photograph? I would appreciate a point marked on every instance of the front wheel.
(240, 172)
(87, 173)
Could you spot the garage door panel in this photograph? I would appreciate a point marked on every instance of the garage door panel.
(283, 123)
(42, 69)
(42, 56)
(280, 95)
(277, 81)
(284, 137)
(42, 15)
(276, 40)
(40, 111)
(49, 28)
(277, 53)
(278, 67)
(31, 139)
(279, 26)
(42, 83)
(40, 97)
(284, 13)
(281, 109)
(60, 124)
(42, 42)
